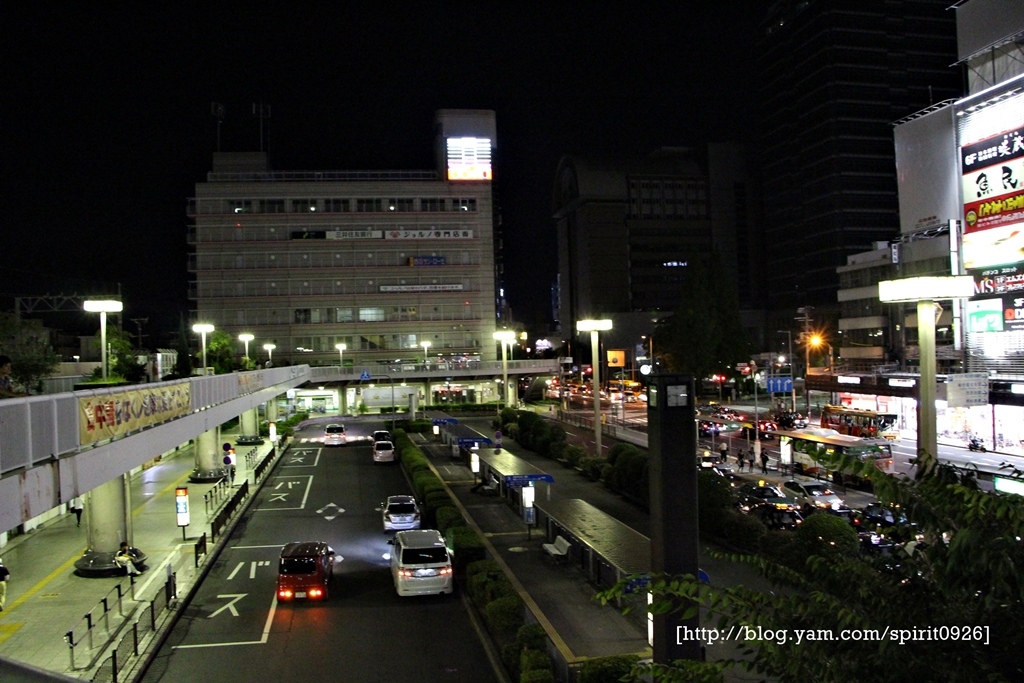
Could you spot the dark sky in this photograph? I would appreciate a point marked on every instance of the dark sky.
(107, 123)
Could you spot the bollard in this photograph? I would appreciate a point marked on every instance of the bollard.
(106, 613)
(88, 629)
(120, 601)
(69, 638)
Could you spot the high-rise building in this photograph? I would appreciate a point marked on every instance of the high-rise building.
(392, 264)
(836, 75)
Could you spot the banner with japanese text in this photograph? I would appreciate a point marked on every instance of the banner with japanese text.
(111, 415)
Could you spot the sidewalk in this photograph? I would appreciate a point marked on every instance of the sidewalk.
(45, 599)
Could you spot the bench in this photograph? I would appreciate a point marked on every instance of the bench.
(560, 548)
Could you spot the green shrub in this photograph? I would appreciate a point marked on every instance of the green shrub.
(447, 516)
(485, 588)
(510, 658)
(744, 531)
(826, 536)
(715, 497)
(504, 616)
(573, 455)
(618, 449)
(607, 669)
(419, 426)
(556, 451)
(534, 660)
(512, 432)
(531, 636)
(466, 547)
(540, 437)
(422, 480)
(527, 421)
(537, 676)
(482, 567)
(508, 416)
(593, 468)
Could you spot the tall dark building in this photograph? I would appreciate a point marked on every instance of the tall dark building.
(836, 75)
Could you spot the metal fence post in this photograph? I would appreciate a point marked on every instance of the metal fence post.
(69, 637)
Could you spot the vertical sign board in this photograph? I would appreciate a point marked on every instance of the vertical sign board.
(967, 390)
(181, 505)
(672, 461)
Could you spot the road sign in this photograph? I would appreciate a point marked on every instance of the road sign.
(364, 375)
(780, 385)
(518, 481)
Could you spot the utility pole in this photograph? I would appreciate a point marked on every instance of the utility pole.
(805, 339)
(139, 322)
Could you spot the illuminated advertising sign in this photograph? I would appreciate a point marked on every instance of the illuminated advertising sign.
(992, 184)
(428, 234)
(181, 505)
(428, 261)
(998, 304)
(469, 158)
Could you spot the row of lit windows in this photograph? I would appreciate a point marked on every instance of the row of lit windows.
(336, 205)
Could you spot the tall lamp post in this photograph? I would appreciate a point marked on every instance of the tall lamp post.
(425, 345)
(925, 291)
(245, 338)
(506, 337)
(202, 329)
(103, 307)
(269, 348)
(593, 327)
(789, 337)
(341, 355)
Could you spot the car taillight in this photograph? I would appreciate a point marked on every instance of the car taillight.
(444, 571)
(315, 593)
(404, 572)
(284, 593)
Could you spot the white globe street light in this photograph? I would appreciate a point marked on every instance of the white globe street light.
(341, 355)
(425, 345)
(269, 348)
(202, 329)
(595, 326)
(103, 307)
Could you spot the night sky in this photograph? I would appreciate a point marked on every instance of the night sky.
(107, 123)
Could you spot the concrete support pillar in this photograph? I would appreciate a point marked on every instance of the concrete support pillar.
(343, 401)
(209, 457)
(108, 522)
(272, 410)
(249, 423)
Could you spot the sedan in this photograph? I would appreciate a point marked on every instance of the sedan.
(400, 513)
(812, 494)
(753, 494)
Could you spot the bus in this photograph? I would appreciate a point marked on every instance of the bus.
(624, 389)
(795, 450)
(859, 422)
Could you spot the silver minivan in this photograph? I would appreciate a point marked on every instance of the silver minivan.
(334, 435)
(420, 563)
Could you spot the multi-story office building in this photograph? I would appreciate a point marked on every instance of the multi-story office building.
(392, 264)
(835, 75)
(629, 229)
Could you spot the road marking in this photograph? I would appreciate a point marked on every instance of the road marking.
(261, 641)
(230, 606)
(321, 511)
(237, 569)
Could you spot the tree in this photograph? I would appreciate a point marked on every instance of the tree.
(123, 358)
(220, 352)
(704, 336)
(28, 345)
(947, 604)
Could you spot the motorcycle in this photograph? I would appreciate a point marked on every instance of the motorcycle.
(976, 444)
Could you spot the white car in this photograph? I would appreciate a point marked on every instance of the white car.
(334, 435)
(383, 451)
(420, 563)
(812, 494)
(400, 513)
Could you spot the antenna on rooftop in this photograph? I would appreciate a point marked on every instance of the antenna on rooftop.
(263, 112)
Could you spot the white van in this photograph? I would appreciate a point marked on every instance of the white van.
(420, 563)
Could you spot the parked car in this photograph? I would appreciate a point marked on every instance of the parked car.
(790, 421)
(334, 435)
(304, 571)
(775, 517)
(381, 435)
(754, 494)
(400, 513)
(876, 515)
(810, 494)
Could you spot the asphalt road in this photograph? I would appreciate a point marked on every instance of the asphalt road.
(235, 630)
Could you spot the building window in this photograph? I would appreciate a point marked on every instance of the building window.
(432, 205)
(464, 204)
(303, 205)
(303, 315)
(371, 315)
(369, 205)
(337, 205)
(240, 205)
(343, 315)
(273, 206)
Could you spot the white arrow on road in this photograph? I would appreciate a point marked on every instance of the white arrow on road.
(230, 606)
(327, 507)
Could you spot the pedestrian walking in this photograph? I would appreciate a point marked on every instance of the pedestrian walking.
(5, 576)
(723, 451)
(739, 458)
(77, 505)
(764, 462)
(750, 459)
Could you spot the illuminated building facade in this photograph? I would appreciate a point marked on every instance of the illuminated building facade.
(380, 261)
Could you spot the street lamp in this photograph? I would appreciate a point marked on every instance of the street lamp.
(925, 291)
(593, 327)
(269, 348)
(506, 337)
(425, 345)
(341, 355)
(202, 329)
(789, 336)
(103, 307)
(245, 338)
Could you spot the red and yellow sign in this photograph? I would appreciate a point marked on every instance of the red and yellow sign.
(111, 415)
(616, 358)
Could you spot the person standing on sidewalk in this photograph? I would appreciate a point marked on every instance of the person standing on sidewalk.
(77, 505)
(723, 451)
(764, 461)
(5, 574)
